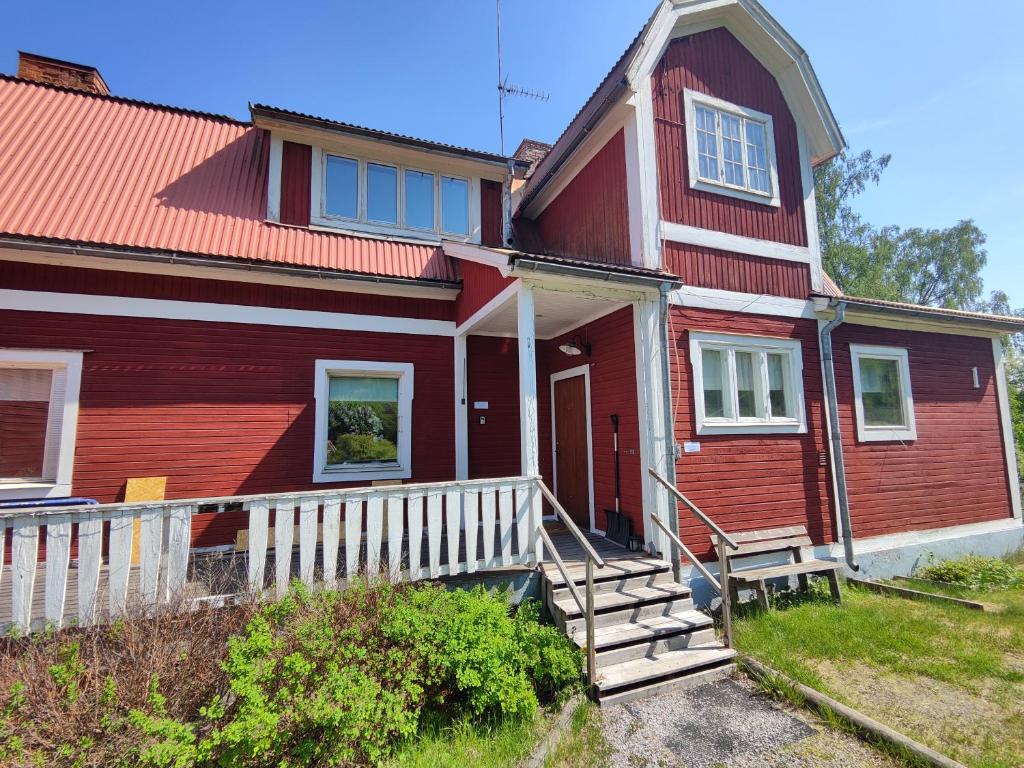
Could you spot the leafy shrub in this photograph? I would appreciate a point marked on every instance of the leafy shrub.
(974, 572)
(318, 678)
(348, 448)
(354, 419)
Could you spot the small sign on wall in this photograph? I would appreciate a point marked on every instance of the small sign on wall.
(691, 447)
(481, 405)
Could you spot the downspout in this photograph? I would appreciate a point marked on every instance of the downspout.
(831, 399)
(670, 431)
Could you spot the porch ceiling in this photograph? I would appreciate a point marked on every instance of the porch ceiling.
(555, 312)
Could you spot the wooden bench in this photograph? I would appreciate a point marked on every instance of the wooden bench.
(790, 540)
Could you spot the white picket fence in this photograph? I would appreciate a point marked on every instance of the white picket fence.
(400, 532)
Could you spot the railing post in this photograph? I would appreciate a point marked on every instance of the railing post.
(723, 577)
(591, 651)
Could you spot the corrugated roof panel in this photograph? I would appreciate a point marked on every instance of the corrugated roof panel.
(106, 171)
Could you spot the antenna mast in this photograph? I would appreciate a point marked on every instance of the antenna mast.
(507, 89)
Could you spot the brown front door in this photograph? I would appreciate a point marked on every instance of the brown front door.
(572, 481)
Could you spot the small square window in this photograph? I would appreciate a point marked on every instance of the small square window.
(746, 384)
(883, 402)
(363, 420)
(342, 195)
(38, 418)
(381, 193)
(454, 205)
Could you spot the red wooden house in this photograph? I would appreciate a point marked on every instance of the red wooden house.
(293, 303)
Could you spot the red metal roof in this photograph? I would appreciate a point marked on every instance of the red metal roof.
(102, 170)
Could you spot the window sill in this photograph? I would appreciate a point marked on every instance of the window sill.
(721, 189)
(31, 491)
(881, 435)
(391, 472)
(740, 428)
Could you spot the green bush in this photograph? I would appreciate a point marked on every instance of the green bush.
(334, 678)
(352, 448)
(974, 572)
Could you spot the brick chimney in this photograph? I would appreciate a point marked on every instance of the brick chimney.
(66, 74)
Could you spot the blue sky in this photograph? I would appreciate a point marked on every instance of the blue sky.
(920, 79)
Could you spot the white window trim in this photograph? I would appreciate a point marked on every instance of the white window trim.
(362, 223)
(63, 430)
(869, 434)
(691, 99)
(399, 470)
(734, 426)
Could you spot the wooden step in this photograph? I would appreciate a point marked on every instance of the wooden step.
(612, 601)
(647, 670)
(655, 647)
(629, 613)
(692, 680)
(646, 629)
(652, 579)
(618, 568)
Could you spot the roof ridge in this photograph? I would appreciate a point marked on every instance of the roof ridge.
(124, 100)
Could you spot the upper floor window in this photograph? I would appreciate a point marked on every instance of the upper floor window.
(391, 197)
(883, 400)
(731, 149)
(747, 384)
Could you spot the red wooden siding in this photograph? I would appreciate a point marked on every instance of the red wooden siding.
(746, 482)
(296, 166)
(491, 213)
(612, 390)
(480, 284)
(590, 217)
(955, 472)
(712, 268)
(492, 366)
(222, 409)
(715, 63)
(98, 282)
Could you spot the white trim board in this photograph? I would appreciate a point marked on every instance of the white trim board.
(747, 303)
(1006, 423)
(242, 273)
(499, 300)
(478, 254)
(889, 433)
(164, 309)
(723, 241)
(584, 371)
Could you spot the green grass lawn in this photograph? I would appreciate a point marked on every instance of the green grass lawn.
(468, 744)
(947, 676)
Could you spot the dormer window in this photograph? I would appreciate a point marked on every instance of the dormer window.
(393, 199)
(731, 149)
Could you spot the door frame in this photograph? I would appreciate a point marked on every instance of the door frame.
(584, 371)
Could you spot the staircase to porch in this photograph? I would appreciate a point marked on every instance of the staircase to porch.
(648, 635)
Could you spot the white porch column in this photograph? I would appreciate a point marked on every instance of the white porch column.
(656, 441)
(528, 441)
(461, 410)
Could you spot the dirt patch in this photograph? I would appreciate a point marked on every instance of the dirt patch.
(947, 718)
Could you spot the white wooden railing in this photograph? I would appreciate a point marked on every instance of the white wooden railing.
(397, 532)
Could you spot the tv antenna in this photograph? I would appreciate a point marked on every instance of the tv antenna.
(505, 88)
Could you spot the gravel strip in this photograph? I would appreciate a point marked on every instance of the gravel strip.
(727, 723)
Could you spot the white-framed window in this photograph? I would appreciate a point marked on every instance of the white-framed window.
(730, 149)
(747, 384)
(393, 199)
(363, 421)
(38, 421)
(883, 399)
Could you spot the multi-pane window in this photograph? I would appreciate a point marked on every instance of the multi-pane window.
(392, 197)
(38, 413)
(731, 149)
(883, 400)
(363, 420)
(746, 383)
